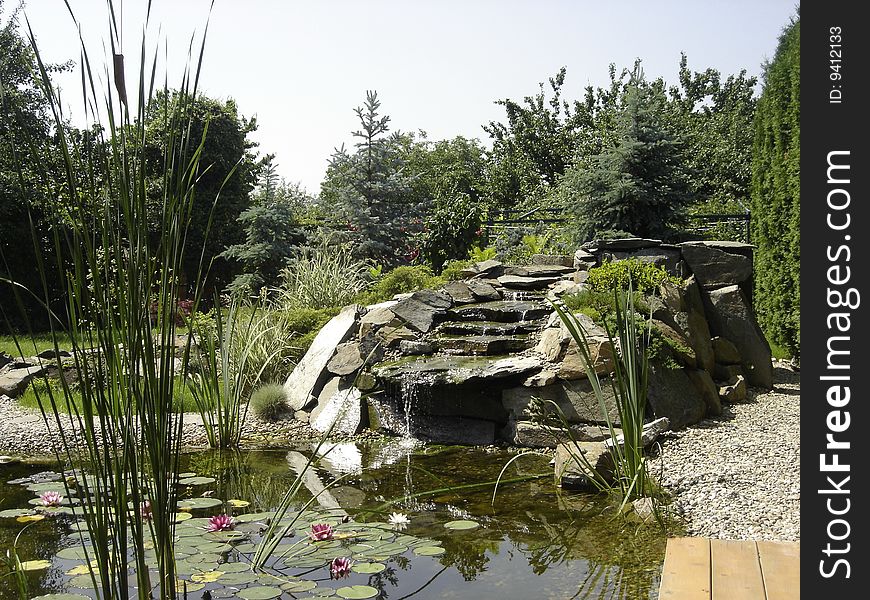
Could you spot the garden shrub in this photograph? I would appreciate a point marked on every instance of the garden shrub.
(269, 401)
(407, 278)
(644, 277)
(303, 324)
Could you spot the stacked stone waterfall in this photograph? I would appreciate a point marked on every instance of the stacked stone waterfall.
(468, 363)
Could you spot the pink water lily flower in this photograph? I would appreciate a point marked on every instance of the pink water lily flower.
(220, 523)
(320, 532)
(339, 567)
(50, 499)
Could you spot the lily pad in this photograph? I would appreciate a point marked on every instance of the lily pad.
(368, 568)
(182, 586)
(30, 518)
(13, 513)
(461, 525)
(34, 565)
(238, 578)
(357, 592)
(182, 516)
(197, 480)
(262, 592)
(236, 567)
(82, 582)
(294, 587)
(207, 577)
(323, 592)
(429, 551)
(72, 553)
(199, 503)
(236, 503)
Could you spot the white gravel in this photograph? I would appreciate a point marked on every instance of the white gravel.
(737, 476)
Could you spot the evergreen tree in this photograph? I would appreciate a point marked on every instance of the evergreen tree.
(776, 195)
(639, 184)
(272, 232)
(372, 190)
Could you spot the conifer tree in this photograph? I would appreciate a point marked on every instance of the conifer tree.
(776, 195)
(639, 184)
(372, 190)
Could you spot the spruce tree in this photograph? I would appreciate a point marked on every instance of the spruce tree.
(372, 191)
(639, 184)
(776, 195)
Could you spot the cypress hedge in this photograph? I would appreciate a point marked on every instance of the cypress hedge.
(776, 195)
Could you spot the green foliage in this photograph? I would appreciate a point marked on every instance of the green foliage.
(323, 276)
(776, 195)
(226, 175)
(408, 278)
(642, 276)
(372, 192)
(450, 229)
(272, 233)
(477, 254)
(269, 401)
(303, 325)
(640, 183)
(182, 399)
(453, 270)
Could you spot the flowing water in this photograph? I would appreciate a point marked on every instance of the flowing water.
(534, 541)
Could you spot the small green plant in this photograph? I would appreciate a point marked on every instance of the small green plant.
(643, 276)
(481, 254)
(269, 401)
(453, 269)
(407, 278)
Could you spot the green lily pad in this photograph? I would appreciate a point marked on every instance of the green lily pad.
(199, 503)
(368, 568)
(34, 565)
(461, 525)
(294, 587)
(260, 516)
(304, 562)
(182, 586)
(14, 513)
(263, 592)
(357, 592)
(240, 578)
(323, 592)
(186, 475)
(82, 582)
(236, 567)
(72, 553)
(429, 551)
(226, 536)
(197, 480)
(236, 503)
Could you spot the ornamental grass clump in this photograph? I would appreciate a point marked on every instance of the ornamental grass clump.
(269, 401)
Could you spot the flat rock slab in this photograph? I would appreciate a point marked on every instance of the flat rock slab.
(532, 435)
(420, 310)
(576, 399)
(539, 270)
(564, 260)
(576, 474)
(492, 268)
(457, 370)
(310, 373)
(460, 293)
(621, 244)
(13, 382)
(343, 412)
(346, 360)
(527, 283)
(482, 344)
(483, 291)
(503, 311)
(672, 394)
(488, 328)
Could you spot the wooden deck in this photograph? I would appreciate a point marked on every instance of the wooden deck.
(704, 569)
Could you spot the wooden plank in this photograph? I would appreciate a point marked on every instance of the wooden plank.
(686, 572)
(735, 571)
(780, 568)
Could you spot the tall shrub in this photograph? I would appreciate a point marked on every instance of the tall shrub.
(776, 195)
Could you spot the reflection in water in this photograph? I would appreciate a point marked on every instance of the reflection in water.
(535, 541)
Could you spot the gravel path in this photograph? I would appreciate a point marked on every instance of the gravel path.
(738, 476)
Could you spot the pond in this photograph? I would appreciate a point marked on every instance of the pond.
(534, 541)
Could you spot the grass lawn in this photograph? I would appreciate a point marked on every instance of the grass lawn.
(30, 346)
(182, 400)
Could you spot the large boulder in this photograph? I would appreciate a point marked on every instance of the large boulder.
(731, 317)
(583, 466)
(13, 381)
(310, 373)
(342, 414)
(714, 266)
(346, 360)
(707, 389)
(534, 435)
(667, 257)
(671, 394)
(576, 399)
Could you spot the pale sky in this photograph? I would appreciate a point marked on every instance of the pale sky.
(301, 67)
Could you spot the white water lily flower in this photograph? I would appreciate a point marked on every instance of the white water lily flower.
(399, 520)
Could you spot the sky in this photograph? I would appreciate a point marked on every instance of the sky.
(438, 66)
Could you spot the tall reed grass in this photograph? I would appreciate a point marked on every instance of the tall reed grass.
(122, 434)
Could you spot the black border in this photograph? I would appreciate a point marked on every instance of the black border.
(826, 127)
